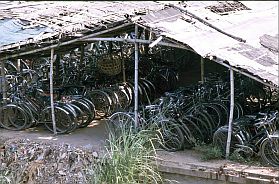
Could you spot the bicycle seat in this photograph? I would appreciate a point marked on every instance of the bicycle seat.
(152, 107)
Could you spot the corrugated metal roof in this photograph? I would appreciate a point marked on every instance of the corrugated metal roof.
(261, 21)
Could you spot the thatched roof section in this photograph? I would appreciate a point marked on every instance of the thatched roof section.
(70, 18)
(255, 22)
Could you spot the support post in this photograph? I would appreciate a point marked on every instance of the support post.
(122, 62)
(81, 62)
(145, 45)
(202, 70)
(4, 95)
(136, 76)
(51, 91)
(231, 114)
(18, 62)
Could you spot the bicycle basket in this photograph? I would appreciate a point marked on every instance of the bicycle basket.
(109, 64)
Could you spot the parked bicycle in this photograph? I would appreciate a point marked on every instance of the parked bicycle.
(253, 135)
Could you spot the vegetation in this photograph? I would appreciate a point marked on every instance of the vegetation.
(129, 158)
(240, 158)
(209, 151)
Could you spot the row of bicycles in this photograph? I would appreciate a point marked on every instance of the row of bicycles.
(22, 111)
(81, 92)
(200, 113)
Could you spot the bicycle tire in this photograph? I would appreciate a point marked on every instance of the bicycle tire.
(86, 116)
(9, 114)
(102, 101)
(269, 153)
(197, 134)
(220, 139)
(172, 138)
(64, 116)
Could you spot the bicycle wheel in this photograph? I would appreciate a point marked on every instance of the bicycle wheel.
(201, 114)
(114, 98)
(196, 134)
(102, 101)
(140, 91)
(124, 99)
(120, 122)
(145, 95)
(202, 125)
(224, 111)
(188, 136)
(86, 117)
(30, 111)
(130, 90)
(90, 104)
(269, 151)
(13, 117)
(63, 119)
(151, 88)
(220, 140)
(81, 115)
(215, 113)
(172, 138)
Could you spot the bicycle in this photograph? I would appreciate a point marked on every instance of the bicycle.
(253, 135)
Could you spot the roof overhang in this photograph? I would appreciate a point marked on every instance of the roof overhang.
(257, 55)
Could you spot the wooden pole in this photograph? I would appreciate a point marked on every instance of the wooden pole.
(81, 62)
(122, 62)
(135, 41)
(231, 114)
(146, 34)
(202, 70)
(136, 77)
(4, 95)
(18, 62)
(51, 91)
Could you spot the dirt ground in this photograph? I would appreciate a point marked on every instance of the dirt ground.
(94, 136)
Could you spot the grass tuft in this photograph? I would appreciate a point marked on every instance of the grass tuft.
(209, 151)
(129, 158)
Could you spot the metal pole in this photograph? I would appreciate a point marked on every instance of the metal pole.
(136, 76)
(231, 114)
(202, 70)
(51, 91)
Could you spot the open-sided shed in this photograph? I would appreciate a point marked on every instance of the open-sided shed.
(242, 36)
